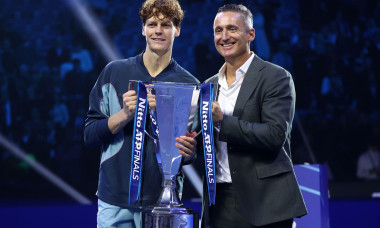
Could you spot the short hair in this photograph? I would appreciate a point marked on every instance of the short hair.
(170, 9)
(244, 11)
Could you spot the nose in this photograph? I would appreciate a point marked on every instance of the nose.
(158, 29)
(225, 35)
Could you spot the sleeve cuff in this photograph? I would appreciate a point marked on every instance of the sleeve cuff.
(103, 130)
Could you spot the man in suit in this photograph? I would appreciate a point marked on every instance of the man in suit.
(256, 185)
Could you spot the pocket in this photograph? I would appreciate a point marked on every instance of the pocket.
(264, 171)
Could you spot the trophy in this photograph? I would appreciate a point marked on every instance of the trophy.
(176, 106)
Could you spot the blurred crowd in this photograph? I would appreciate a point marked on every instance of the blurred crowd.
(48, 65)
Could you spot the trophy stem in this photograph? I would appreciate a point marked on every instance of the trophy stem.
(169, 211)
(169, 195)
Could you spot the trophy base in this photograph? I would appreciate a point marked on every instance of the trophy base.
(173, 217)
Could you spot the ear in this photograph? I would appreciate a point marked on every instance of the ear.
(143, 29)
(251, 34)
(178, 30)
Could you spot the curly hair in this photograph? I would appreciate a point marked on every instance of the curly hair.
(170, 9)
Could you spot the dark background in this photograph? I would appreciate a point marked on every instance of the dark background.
(330, 47)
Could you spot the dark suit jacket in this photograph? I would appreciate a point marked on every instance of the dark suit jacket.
(258, 144)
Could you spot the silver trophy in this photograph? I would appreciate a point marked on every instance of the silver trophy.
(176, 107)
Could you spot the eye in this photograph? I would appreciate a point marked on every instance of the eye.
(233, 29)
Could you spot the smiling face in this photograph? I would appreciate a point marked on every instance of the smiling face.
(159, 33)
(232, 36)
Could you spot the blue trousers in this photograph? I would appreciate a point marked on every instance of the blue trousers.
(110, 216)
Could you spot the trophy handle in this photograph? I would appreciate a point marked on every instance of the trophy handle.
(200, 131)
(151, 90)
(150, 135)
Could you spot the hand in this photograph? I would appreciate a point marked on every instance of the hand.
(187, 145)
(217, 114)
(129, 103)
(118, 120)
(152, 101)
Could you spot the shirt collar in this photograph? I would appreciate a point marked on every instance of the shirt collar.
(167, 69)
(245, 66)
(239, 72)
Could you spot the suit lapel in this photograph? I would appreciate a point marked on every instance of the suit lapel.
(250, 81)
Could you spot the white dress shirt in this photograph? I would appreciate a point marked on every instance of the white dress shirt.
(227, 99)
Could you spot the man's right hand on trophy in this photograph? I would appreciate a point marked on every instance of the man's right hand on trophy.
(129, 101)
(118, 120)
(217, 113)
